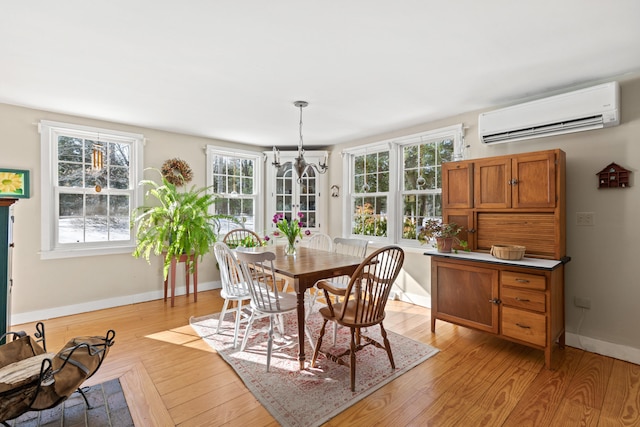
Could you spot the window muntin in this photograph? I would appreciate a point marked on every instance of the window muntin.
(87, 205)
(235, 178)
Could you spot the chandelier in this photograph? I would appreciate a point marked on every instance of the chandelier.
(300, 164)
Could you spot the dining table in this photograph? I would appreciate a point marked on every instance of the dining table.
(304, 269)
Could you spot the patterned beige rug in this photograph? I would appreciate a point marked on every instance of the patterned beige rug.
(321, 392)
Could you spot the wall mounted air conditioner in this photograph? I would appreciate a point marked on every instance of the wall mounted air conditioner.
(585, 109)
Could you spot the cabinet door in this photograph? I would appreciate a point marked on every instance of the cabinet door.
(463, 294)
(492, 179)
(534, 184)
(457, 185)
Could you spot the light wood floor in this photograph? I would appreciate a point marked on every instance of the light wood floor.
(171, 377)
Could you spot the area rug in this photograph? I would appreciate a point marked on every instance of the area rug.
(108, 409)
(321, 392)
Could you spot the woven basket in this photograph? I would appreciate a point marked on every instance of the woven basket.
(510, 252)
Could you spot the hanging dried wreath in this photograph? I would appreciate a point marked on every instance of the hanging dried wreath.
(177, 172)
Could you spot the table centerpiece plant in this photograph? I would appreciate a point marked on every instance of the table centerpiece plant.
(291, 229)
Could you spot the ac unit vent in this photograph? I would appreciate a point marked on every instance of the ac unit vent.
(585, 109)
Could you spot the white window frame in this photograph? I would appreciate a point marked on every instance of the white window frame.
(258, 159)
(49, 132)
(396, 166)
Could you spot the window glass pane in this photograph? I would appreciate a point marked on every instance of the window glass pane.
(70, 149)
(370, 217)
(118, 177)
(118, 154)
(428, 154)
(70, 175)
(383, 161)
(359, 165)
(371, 163)
(119, 206)
(247, 186)
(446, 151)
(218, 184)
(71, 205)
(411, 156)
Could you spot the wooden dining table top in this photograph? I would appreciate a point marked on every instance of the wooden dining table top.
(309, 265)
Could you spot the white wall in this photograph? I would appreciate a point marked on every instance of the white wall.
(604, 265)
(50, 288)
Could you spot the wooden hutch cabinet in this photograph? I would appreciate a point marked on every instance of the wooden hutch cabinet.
(513, 200)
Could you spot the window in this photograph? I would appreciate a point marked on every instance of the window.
(370, 196)
(89, 188)
(395, 185)
(421, 181)
(289, 195)
(236, 178)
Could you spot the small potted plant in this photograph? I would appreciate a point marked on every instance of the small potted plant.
(445, 234)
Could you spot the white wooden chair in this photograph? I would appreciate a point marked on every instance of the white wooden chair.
(234, 288)
(257, 268)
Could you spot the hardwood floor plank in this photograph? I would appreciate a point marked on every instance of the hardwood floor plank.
(622, 398)
(172, 377)
(589, 383)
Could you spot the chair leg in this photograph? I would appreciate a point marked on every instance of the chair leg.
(224, 311)
(387, 346)
(318, 343)
(236, 330)
(247, 331)
(352, 361)
(270, 341)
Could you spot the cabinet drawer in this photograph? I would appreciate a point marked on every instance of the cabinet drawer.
(524, 325)
(523, 299)
(523, 280)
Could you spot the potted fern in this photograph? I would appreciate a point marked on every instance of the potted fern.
(178, 222)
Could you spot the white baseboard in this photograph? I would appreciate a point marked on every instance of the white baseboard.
(617, 351)
(34, 316)
(421, 300)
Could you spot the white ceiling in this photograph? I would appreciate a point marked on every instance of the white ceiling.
(231, 69)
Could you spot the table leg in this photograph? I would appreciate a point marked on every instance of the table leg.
(173, 280)
(186, 274)
(195, 279)
(300, 294)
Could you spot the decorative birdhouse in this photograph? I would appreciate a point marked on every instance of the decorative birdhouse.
(613, 176)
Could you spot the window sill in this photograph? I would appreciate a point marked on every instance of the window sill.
(82, 252)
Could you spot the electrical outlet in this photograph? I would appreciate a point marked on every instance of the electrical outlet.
(582, 302)
(587, 219)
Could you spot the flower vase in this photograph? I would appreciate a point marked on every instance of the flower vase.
(290, 248)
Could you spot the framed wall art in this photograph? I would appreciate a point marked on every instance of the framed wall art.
(14, 183)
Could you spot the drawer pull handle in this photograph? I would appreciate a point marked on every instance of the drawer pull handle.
(523, 326)
(495, 301)
(522, 299)
(522, 280)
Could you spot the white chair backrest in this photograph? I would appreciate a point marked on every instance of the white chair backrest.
(231, 275)
(258, 270)
(320, 241)
(355, 247)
